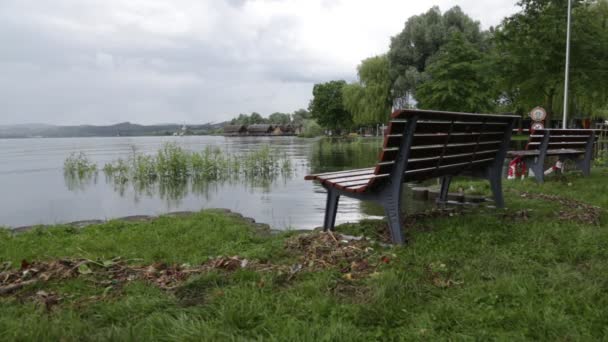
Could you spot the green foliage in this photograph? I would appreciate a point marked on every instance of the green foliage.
(530, 53)
(421, 38)
(78, 164)
(369, 100)
(327, 106)
(253, 119)
(279, 118)
(456, 80)
(300, 116)
(311, 129)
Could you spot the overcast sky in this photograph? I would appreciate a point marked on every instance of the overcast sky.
(192, 61)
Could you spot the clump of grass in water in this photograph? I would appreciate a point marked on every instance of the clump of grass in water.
(78, 164)
(174, 164)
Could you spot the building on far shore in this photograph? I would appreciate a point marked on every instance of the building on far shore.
(235, 130)
(260, 129)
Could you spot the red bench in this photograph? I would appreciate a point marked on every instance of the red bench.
(421, 145)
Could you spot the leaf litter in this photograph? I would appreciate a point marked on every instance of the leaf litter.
(353, 258)
(572, 210)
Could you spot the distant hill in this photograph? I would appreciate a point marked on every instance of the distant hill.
(120, 129)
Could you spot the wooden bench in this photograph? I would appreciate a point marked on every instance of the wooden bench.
(421, 145)
(573, 144)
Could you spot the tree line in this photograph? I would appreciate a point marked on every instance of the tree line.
(444, 61)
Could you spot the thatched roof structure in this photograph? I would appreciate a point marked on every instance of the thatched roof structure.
(259, 129)
(235, 129)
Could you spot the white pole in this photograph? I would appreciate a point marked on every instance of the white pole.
(567, 66)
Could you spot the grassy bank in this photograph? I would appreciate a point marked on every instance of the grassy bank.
(534, 271)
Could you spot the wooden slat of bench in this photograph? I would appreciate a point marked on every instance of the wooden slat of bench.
(349, 186)
(439, 115)
(554, 152)
(565, 138)
(356, 178)
(423, 163)
(421, 174)
(555, 145)
(435, 150)
(328, 175)
(458, 127)
(568, 131)
(522, 153)
(397, 127)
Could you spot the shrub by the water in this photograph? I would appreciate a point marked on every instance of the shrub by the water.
(78, 164)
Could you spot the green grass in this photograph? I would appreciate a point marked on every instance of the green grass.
(78, 164)
(475, 275)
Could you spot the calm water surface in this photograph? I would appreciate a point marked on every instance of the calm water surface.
(35, 191)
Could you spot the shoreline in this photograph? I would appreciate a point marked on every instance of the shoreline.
(80, 224)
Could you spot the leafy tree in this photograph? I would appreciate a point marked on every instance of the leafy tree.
(242, 119)
(530, 52)
(369, 100)
(256, 118)
(327, 106)
(456, 81)
(299, 116)
(421, 38)
(279, 118)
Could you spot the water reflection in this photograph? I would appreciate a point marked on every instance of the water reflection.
(79, 181)
(338, 154)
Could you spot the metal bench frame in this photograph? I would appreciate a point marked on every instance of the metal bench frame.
(388, 193)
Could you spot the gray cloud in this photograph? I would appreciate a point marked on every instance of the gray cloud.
(149, 61)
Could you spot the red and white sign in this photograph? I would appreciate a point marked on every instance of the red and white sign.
(537, 125)
(538, 114)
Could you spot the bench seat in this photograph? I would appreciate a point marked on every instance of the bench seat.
(353, 180)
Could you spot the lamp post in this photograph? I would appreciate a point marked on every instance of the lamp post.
(567, 66)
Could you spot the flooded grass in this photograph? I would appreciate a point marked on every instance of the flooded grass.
(174, 164)
(79, 164)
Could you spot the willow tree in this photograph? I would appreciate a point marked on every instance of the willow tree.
(420, 40)
(369, 99)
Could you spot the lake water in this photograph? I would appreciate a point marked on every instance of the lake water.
(35, 191)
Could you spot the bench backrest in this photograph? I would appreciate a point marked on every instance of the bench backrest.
(427, 144)
(553, 139)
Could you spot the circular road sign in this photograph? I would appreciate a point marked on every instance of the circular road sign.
(538, 114)
(537, 125)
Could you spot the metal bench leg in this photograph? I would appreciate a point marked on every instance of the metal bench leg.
(445, 187)
(496, 186)
(537, 168)
(330, 210)
(584, 165)
(392, 208)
